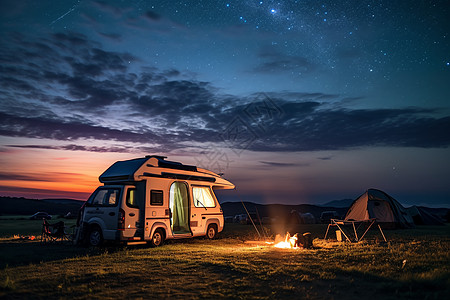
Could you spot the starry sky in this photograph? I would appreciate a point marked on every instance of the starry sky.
(294, 101)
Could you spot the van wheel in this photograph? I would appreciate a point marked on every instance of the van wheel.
(211, 232)
(95, 236)
(157, 238)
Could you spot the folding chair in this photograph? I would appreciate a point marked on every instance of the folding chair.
(53, 232)
(357, 226)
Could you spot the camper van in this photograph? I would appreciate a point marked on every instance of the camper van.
(150, 200)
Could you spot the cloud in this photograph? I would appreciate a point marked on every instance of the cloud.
(13, 176)
(74, 147)
(325, 157)
(35, 193)
(278, 164)
(44, 177)
(152, 15)
(274, 61)
(85, 92)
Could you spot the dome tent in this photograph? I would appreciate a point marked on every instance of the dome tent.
(379, 205)
(421, 217)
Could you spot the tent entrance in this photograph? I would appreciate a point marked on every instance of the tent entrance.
(382, 210)
(179, 207)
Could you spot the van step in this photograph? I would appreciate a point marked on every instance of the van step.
(136, 243)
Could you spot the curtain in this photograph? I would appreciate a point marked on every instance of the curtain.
(179, 206)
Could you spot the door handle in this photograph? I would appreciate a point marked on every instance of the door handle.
(112, 213)
(203, 218)
(131, 214)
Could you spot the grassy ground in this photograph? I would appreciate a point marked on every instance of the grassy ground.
(414, 264)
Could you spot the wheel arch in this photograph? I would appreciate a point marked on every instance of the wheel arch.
(156, 226)
(215, 222)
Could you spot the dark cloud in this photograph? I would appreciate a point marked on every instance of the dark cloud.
(278, 164)
(74, 147)
(58, 130)
(152, 16)
(44, 177)
(34, 193)
(274, 61)
(89, 93)
(332, 129)
(112, 36)
(13, 176)
(325, 158)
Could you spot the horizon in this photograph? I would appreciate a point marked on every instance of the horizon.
(221, 202)
(293, 102)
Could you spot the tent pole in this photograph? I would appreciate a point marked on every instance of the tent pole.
(382, 233)
(248, 214)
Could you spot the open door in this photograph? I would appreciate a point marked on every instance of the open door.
(179, 206)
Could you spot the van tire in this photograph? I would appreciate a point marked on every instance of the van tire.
(95, 236)
(211, 232)
(157, 238)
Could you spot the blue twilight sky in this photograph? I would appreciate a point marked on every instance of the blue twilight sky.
(295, 101)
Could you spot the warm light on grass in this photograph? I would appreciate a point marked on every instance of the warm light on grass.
(230, 268)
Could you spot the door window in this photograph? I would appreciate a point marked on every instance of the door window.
(132, 199)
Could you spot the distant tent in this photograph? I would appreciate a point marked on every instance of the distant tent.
(294, 217)
(421, 217)
(298, 218)
(308, 218)
(379, 205)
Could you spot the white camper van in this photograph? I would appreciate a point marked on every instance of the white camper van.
(151, 200)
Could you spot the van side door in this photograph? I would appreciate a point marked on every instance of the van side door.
(130, 213)
(204, 206)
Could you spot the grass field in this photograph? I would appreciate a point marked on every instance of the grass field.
(414, 264)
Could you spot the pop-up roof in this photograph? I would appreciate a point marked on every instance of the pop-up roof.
(157, 166)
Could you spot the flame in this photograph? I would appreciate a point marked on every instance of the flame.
(290, 242)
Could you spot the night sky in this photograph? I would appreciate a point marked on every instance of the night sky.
(294, 101)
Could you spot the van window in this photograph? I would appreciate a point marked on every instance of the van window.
(156, 197)
(203, 197)
(131, 198)
(105, 197)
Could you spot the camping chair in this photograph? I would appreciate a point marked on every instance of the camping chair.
(357, 226)
(53, 232)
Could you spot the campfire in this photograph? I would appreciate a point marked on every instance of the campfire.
(289, 242)
(294, 242)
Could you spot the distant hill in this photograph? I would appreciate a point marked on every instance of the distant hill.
(339, 203)
(23, 206)
(274, 210)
